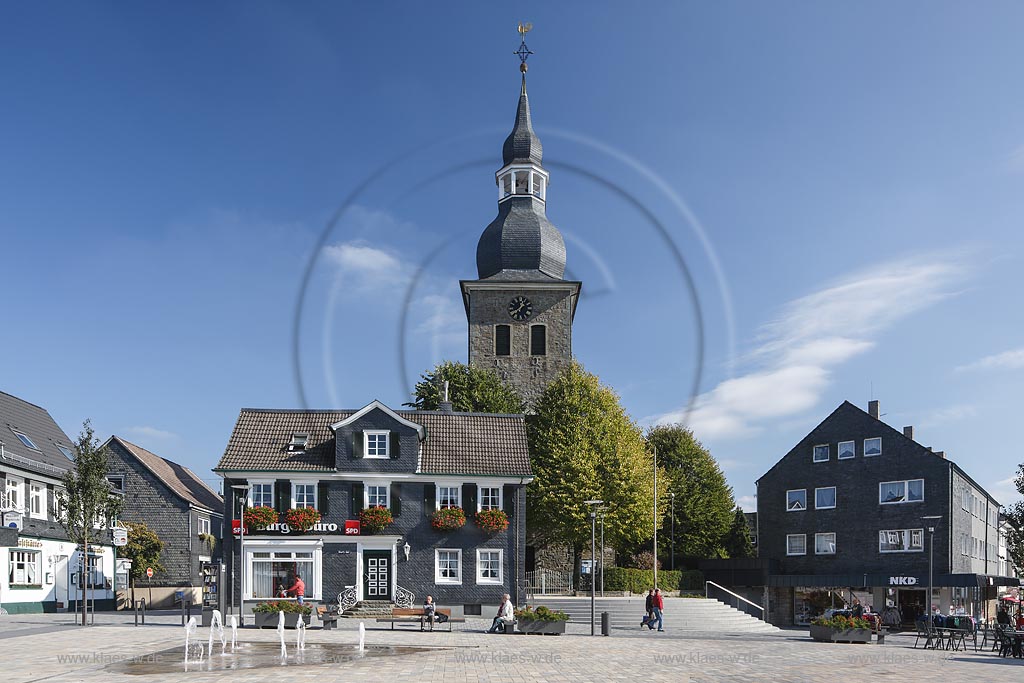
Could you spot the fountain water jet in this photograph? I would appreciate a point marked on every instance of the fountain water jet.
(300, 634)
(216, 629)
(191, 629)
(362, 637)
(233, 623)
(280, 634)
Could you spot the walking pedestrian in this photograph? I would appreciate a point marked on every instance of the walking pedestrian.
(659, 606)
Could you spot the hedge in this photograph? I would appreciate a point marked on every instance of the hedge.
(641, 580)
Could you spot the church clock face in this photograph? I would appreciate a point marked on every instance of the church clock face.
(520, 308)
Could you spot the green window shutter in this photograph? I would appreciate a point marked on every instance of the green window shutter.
(395, 447)
(469, 499)
(508, 499)
(323, 498)
(395, 496)
(357, 444)
(429, 499)
(357, 498)
(282, 495)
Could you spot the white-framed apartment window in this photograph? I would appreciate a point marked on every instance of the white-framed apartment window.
(23, 568)
(796, 544)
(489, 498)
(821, 453)
(901, 541)
(269, 568)
(825, 543)
(23, 438)
(448, 496)
(377, 495)
(36, 501)
(796, 500)
(204, 525)
(116, 482)
(303, 494)
(261, 494)
(847, 450)
(13, 489)
(872, 446)
(825, 498)
(909, 491)
(447, 565)
(489, 566)
(376, 443)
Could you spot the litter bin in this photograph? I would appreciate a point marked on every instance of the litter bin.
(606, 623)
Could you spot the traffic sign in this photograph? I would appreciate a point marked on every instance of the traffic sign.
(120, 535)
(149, 572)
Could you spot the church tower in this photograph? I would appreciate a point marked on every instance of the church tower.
(520, 310)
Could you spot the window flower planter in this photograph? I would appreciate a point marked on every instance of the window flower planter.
(375, 519)
(259, 517)
(449, 519)
(492, 521)
(827, 634)
(302, 519)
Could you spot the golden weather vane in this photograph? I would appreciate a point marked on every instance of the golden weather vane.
(523, 51)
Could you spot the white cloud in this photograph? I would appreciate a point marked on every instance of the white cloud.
(150, 432)
(949, 414)
(1005, 491)
(365, 267)
(748, 503)
(792, 362)
(1007, 360)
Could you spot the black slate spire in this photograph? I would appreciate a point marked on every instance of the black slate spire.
(522, 145)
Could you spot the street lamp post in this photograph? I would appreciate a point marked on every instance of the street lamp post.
(240, 490)
(655, 516)
(672, 499)
(602, 553)
(931, 552)
(593, 555)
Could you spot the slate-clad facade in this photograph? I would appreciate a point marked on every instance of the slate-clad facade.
(177, 505)
(845, 507)
(413, 463)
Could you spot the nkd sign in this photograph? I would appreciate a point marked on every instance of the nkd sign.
(902, 580)
(283, 528)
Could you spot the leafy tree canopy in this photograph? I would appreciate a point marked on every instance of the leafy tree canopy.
(143, 549)
(86, 497)
(703, 498)
(470, 390)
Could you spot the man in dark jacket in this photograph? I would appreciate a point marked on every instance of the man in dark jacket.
(648, 610)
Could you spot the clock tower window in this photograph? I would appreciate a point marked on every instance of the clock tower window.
(538, 340)
(502, 340)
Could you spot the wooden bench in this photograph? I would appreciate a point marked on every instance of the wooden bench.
(328, 618)
(414, 615)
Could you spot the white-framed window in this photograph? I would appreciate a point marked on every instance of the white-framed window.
(796, 500)
(36, 498)
(204, 525)
(377, 495)
(448, 496)
(796, 544)
(908, 491)
(489, 498)
(825, 498)
(23, 568)
(23, 438)
(13, 489)
(901, 541)
(261, 494)
(116, 482)
(821, 453)
(489, 566)
(847, 450)
(303, 494)
(447, 565)
(872, 446)
(376, 444)
(298, 441)
(271, 570)
(825, 544)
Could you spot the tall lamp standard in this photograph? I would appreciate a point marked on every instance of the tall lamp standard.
(672, 513)
(240, 490)
(931, 552)
(593, 560)
(655, 516)
(603, 511)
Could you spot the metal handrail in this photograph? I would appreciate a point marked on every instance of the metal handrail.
(739, 597)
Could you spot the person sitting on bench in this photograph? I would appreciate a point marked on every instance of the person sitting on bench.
(505, 617)
(429, 608)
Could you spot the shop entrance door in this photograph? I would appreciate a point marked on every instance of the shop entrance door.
(60, 578)
(912, 605)
(377, 574)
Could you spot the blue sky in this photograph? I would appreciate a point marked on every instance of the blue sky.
(843, 183)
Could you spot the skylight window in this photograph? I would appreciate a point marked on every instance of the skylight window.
(66, 451)
(25, 440)
(298, 442)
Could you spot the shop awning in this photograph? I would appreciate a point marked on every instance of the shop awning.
(889, 581)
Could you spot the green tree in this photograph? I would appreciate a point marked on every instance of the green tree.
(470, 390)
(737, 541)
(583, 446)
(703, 498)
(86, 502)
(1014, 517)
(143, 549)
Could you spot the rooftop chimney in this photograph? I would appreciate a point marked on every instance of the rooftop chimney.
(873, 409)
(445, 405)
(909, 432)
(941, 454)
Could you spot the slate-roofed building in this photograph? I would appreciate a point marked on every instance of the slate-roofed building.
(175, 503)
(414, 463)
(40, 571)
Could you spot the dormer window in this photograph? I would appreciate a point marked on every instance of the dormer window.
(376, 444)
(298, 442)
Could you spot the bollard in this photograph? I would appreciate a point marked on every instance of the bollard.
(606, 623)
(143, 611)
